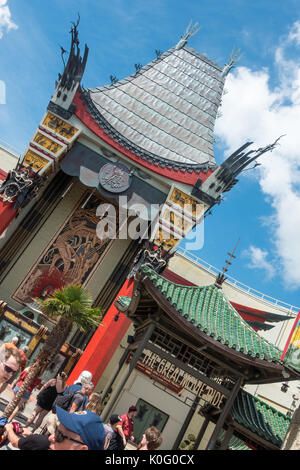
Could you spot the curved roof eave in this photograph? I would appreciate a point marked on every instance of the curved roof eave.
(260, 355)
(185, 173)
(165, 112)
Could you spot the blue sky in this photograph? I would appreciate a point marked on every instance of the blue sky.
(262, 102)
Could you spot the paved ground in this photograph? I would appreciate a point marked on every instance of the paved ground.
(5, 398)
(7, 395)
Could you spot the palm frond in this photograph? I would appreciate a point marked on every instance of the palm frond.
(73, 302)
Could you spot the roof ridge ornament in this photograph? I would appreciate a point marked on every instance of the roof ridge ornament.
(234, 58)
(224, 176)
(154, 258)
(189, 33)
(69, 81)
(221, 277)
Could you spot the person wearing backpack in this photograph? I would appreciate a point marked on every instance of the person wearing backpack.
(80, 398)
(74, 401)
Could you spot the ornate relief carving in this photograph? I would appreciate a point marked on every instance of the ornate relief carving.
(47, 143)
(177, 217)
(34, 160)
(20, 186)
(59, 126)
(71, 256)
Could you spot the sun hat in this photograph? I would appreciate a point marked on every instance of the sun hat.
(84, 378)
(88, 425)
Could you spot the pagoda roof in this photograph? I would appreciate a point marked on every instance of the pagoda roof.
(255, 317)
(260, 418)
(165, 111)
(209, 309)
(255, 422)
(206, 313)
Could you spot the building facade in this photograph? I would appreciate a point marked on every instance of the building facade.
(114, 177)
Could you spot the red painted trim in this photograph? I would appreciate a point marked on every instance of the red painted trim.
(104, 342)
(188, 178)
(290, 336)
(3, 175)
(7, 214)
(173, 277)
(250, 310)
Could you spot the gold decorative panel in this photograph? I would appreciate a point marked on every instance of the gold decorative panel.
(165, 239)
(47, 143)
(178, 216)
(186, 202)
(37, 161)
(59, 126)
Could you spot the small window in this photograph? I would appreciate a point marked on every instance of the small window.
(147, 415)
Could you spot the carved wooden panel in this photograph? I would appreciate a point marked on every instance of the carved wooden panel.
(71, 257)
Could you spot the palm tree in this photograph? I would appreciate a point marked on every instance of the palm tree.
(71, 305)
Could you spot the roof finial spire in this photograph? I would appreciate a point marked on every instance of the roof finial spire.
(221, 277)
(189, 33)
(234, 58)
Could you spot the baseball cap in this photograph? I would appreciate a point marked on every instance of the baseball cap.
(115, 419)
(88, 425)
(132, 408)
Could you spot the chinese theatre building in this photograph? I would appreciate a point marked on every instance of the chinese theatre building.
(190, 357)
(113, 176)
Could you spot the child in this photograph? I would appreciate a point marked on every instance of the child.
(109, 429)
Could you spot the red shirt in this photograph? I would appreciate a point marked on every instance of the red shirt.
(22, 378)
(127, 426)
(23, 359)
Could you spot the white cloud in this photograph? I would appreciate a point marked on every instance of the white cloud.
(258, 260)
(6, 24)
(253, 110)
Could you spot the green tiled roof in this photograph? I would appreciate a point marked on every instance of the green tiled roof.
(124, 301)
(260, 418)
(209, 309)
(235, 443)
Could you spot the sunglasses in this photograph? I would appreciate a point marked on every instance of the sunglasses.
(8, 369)
(60, 437)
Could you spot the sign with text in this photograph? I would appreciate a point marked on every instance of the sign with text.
(177, 379)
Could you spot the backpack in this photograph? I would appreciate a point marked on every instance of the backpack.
(64, 401)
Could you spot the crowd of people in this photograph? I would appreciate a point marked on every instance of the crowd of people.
(72, 414)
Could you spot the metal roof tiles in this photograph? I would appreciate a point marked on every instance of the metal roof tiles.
(168, 108)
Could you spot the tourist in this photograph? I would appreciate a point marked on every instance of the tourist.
(13, 343)
(123, 431)
(20, 381)
(46, 398)
(127, 423)
(117, 440)
(109, 429)
(78, 431)
(84, 378)
(151, 439)
(9, 365)
(23, 351)
(80, 399)
(95, 403)
(27, 440)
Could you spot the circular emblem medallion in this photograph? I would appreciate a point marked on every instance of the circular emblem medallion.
(115, 178)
